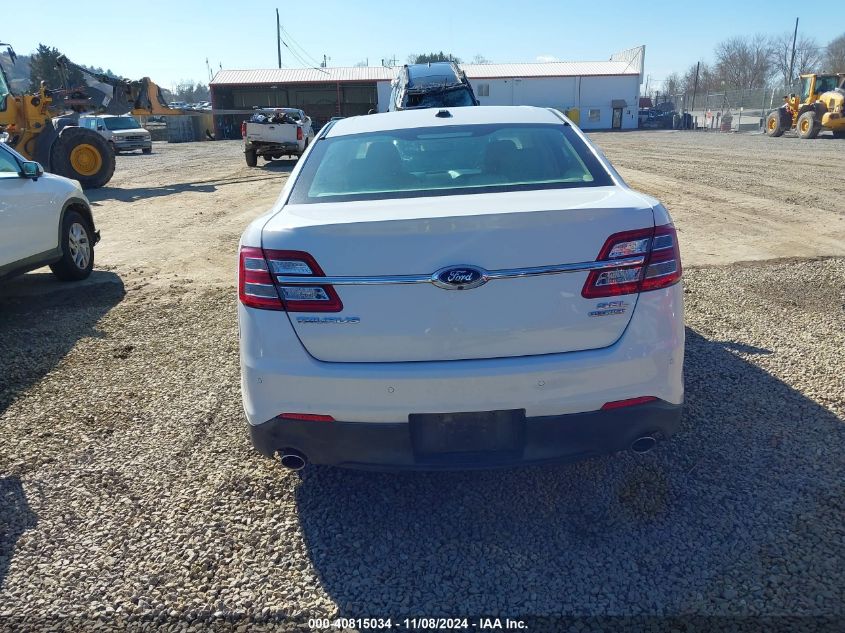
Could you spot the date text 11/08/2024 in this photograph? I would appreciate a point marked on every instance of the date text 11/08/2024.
(418, 624)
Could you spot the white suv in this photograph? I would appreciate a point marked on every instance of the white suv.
(123, 133)
(44, 220)
(459, 288)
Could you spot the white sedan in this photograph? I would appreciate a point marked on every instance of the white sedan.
(459, 288)
(44, 220)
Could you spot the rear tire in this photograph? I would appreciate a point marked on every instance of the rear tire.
(251, 158)
(83, 155)
(77, 248)
(774, 124)
(808, 125)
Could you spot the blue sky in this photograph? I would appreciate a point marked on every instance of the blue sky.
(169, 41)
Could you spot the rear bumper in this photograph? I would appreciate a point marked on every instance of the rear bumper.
(262, 148)
(834, 121)
(391, 446)
(278, 375)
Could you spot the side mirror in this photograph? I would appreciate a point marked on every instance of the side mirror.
(100, 128)
(31, 169)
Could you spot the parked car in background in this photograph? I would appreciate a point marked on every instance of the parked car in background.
(44, 220)
(276, 132)
(123, 133)
(433, 85)
(471, 288)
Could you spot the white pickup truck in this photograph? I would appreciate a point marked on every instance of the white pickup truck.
(276, 132)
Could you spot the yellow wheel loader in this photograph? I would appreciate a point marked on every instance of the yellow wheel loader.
(821, 106)
(44, 126)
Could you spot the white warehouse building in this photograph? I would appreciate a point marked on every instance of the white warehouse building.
(597, 95)
(600, 95)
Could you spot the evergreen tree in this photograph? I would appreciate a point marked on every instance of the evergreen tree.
(43, 68)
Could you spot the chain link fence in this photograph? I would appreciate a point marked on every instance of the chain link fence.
(719, 111)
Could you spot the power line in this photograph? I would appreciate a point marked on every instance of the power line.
(300, 47)
(304, 63)
(298, 56)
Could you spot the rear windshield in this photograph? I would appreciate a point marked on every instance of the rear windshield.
(446, 161)
(121, 123)
(442, 98)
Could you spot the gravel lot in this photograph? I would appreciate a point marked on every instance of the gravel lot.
(738, 197)
(130, 495)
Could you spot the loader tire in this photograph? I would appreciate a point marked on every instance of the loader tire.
(83, 155)
(251, 158)
(808, 125)
(774, 124)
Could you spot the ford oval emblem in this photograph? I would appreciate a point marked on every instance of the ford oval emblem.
(459, 277)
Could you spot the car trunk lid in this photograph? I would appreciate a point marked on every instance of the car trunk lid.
(383, 256)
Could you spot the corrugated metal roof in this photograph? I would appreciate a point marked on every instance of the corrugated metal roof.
(548, 69)
(271, 76)
(302, 75)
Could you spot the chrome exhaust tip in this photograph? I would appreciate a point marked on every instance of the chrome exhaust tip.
(643, 445)
(292, 460)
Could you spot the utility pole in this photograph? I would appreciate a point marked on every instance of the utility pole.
(792, 59)
(279, 37)
(695, 87)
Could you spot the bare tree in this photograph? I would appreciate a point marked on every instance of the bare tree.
(744, 62)
(672, 85)
(708, 79)
(480, 59)
(807, 57)
(834, 58)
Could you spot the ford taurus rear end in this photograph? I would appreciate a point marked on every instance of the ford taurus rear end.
(460, 288)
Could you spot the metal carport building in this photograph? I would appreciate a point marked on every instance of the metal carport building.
(599, 94)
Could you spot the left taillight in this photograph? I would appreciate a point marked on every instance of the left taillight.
(259, 286)
(255, 285)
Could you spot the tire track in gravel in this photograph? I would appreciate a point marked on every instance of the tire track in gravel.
(716, 227)
(739, 197)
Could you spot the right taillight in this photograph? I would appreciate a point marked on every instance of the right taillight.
(259, 286)
(243, 129)
(664, 262)
(661, 266)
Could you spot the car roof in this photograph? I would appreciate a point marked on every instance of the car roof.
(427, 117)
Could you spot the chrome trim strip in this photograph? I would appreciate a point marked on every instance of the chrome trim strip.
(507, 273)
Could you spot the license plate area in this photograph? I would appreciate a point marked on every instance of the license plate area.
(484, 433)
